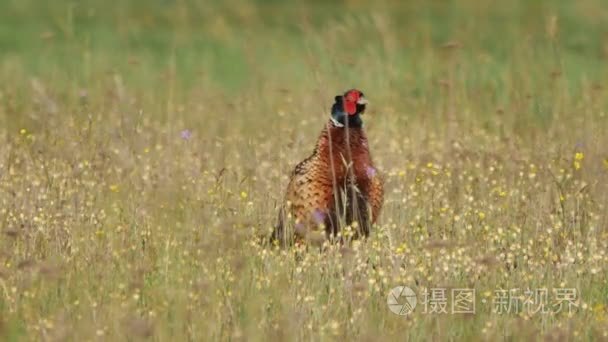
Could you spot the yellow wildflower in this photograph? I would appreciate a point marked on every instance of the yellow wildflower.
(578, 157)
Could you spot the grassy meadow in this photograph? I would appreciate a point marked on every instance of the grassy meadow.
(145, 147)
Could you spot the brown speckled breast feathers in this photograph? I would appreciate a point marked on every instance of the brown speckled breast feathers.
(331, 189)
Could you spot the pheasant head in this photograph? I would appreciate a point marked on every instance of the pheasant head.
(348, 108)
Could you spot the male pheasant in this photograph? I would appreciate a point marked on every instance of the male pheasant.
(338, 185)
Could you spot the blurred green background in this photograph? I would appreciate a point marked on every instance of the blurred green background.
(236, 44)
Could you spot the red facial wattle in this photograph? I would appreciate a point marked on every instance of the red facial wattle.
(350, 103)
(350, 107)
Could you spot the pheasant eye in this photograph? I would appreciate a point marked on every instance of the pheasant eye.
(353, 96)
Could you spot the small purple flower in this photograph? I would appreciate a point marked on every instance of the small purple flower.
(318, 216)
(186, 134)
(371, 172)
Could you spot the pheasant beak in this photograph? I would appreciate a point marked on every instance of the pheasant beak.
(362, 101)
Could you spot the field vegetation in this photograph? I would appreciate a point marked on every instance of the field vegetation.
(145, 147)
